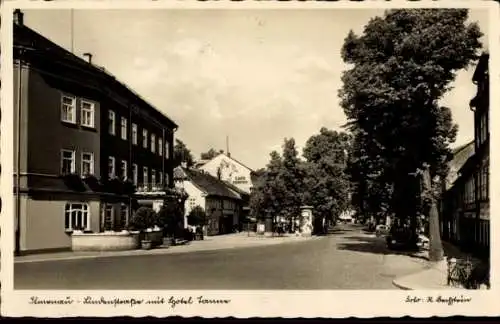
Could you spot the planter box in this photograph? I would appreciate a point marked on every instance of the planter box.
(146, 245)
(156, 237)
(108, 241)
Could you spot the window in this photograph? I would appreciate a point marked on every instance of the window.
(483, 181)
(160, 147)
(166, 179)
(67, 161)
(153, 177)
(145, 138)
(167, 155)
(111, 167)
(153, 143)
(111, 125)
(160, 178)
(123, 216)
(76, 217)
(134, 173)
(469, 191)
(124, 128)
(68, 109)
(192, 203)
(145, 175)
(87, 163)
(134, 134)
(123, 169)
(87, 109)
(108, 218)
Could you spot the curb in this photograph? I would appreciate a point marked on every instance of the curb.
(167, 251)
(400, 286)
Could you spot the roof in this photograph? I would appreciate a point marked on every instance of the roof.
(461, 155)
(205, 182)
(231, 158)
(481, 67)
(34, 42)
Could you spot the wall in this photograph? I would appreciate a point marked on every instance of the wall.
(231, 171)
(43, 224)
(193, 192)
(48, 134)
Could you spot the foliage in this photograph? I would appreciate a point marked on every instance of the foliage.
(401, 65)
(292, 179)
(171, 216)
(326, 185)
(267, 195)
(182, 154)
(143, 218)
(210, 154)
(197, 216)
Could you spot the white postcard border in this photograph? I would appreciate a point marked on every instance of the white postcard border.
(367, 303)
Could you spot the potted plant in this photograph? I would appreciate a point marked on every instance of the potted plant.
(197, 218)
(171, 218)
(142, 221)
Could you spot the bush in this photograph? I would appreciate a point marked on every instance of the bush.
(143, 218)
(170, 217)
(197, 216)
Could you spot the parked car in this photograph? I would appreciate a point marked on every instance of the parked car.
(400, 238)
(381, 230)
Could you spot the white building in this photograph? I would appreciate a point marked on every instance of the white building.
(222, 204)
(228, 169)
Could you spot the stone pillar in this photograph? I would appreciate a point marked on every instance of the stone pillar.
(306, 220)
(268, 225)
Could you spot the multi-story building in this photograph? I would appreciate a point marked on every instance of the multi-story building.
(221, 203)
(467, 200)
(82, 138)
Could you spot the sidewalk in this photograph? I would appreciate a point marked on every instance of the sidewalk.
(210, 243)
(435, 276)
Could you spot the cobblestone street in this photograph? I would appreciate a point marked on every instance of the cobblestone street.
(346, 259)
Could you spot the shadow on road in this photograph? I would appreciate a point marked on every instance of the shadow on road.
(375, 245)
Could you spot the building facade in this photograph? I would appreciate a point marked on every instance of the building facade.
(230, 170)
(222, 204)
(466, 217)
(83, 143)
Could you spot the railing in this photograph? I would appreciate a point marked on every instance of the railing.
(150, 187)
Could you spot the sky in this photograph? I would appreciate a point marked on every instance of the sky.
(255, 76)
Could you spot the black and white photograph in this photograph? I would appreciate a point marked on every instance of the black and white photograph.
(316, 149)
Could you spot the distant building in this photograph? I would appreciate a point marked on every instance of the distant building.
(81, 136)
(222, 204)
(466, 213)
(230, 170)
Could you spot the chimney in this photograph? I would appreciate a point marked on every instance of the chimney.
(88, 56)
(18, 17)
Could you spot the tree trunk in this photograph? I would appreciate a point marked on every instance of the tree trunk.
(436, 252)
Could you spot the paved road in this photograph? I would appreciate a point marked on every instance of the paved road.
(347, 259)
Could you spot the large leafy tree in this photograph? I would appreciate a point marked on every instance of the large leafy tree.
(401, 65)
(326, 184)
(182, 153)
(292, 175)
(267, 195)
(210, 154)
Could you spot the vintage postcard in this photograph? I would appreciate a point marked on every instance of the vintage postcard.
(249, 159)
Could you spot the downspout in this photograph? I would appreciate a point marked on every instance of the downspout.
(130, 162)
(163, 157)
(18, 157)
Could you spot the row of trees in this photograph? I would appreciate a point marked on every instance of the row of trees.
(183, 154)
(400, 67)
(318, 179)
